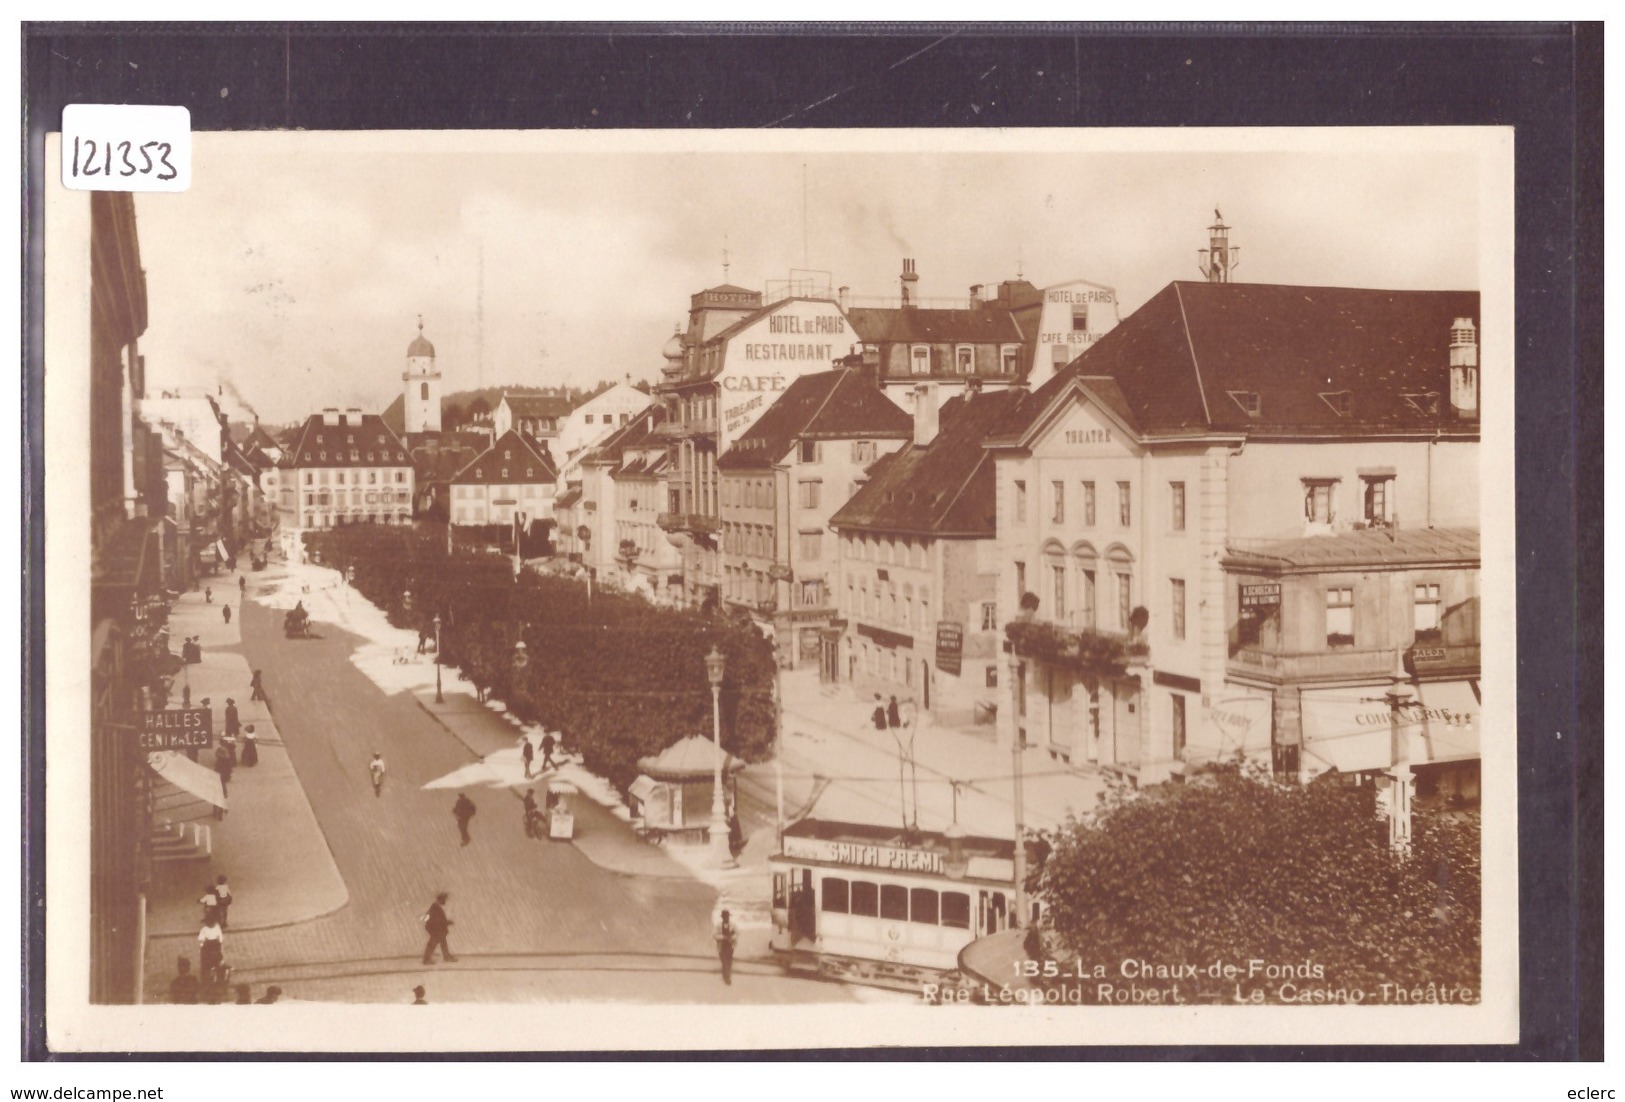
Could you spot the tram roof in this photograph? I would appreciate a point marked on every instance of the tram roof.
(873, 834)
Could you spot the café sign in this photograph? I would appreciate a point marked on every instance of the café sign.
(864, 856)
(176, 729)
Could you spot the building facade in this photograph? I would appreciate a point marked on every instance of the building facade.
(916, 593)
(513, 478)
(421, 382)
(536, 416)
(781, 481)
(1169, 479)
(346, 468)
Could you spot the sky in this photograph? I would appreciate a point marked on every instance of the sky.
(297, 265)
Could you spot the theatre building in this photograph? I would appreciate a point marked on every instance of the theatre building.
(735, 358)
(1225, 525)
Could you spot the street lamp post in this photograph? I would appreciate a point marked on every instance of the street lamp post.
(715, 664)
(439, 696)
(1016, 741)
(1399, 696)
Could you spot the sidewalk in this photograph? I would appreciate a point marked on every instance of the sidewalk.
(268, 844)
(828, 734)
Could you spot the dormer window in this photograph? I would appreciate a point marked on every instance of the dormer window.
(1339, 400)
(1427, 404)
(964, 359)
(920, 359)
(1009, 357)
(1248, 401)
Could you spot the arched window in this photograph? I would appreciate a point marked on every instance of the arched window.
(1088, 568)
(1054, 582)
(1121, 563)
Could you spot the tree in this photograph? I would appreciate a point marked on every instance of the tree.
(1233, 867)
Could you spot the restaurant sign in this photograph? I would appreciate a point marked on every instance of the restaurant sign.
(856, 853)
(176, 729)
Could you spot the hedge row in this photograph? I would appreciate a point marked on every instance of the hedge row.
(620, 678)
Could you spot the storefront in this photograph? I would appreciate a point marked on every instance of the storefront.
(1350, 729)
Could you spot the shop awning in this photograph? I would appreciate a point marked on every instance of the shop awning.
(643, 788)
(188, 776)
(1350, 729)
(1237, 722)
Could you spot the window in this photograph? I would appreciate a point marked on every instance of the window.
(922, 906)
(1177, 602)
(1125, 604)
(1376, 499)
(1089, 504)
(625, 417)
(1058, 583)
(920, 359)
(1179, 724)
(586, 418)
(863, 451)
(811, 546)
(1339, 401)
(1021, 582)
(991, 678)
(1124, 509)
(809, 451)
(1058, 510)
(1340, 617)
(423, 392)
(1248, 401)
(964, 359)
(1021, 502)
(836, 896)
(1088, 597)
(1080, 317)
(812, 593)
(309, 478)
(865, 898)
(1009, 359)
(1317, 500)
(339, 478)
(990, 616)
(809, 495)
(1427, 614)
(372, 478)
(894, 902)
(400, 477)
(1176, 504)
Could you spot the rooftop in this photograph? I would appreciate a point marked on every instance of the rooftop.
(511, 459)
(839, 404)
(1369, 546)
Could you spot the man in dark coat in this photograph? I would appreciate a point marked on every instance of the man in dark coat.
(463, 811)
(727, 939)
(225, 611)
(879, 716)
(894, 717)
(548, 743)
(438, 926)
(223, 760)
(184, 987)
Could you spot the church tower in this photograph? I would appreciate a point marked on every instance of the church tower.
(422, 385)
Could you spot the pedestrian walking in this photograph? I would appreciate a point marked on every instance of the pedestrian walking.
(423, 639)
(420, 996)
(463, 810)
(208, 595)
(222, 894)
(234, 722)
(222, 766)
(727, 939)
(210, 902)
(251, 748)
(530, 813)
(257, 686)
(548, 744)
(211, 946)
(879, 716)
(242, 586)
(438, 926)
(376, 768)
(894, 717)
(183, 988)
(736, 835)
(527, 754)
(225, 611)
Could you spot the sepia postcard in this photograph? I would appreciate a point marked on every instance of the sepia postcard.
(786, 589)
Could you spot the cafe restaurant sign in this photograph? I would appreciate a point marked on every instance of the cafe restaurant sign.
(176, 729)
(864, 856)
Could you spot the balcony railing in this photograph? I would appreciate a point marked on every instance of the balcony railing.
(700, 522)
(671, 522)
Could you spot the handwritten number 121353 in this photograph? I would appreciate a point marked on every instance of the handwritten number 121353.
(92, 158)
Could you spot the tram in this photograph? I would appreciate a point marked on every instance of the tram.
(864, 904)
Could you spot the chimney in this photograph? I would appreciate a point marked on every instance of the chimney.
(925, 414)
(1464, 368)
(352, 416)
(330, 415)
(840, 296)
(910, 278)
(975, 293)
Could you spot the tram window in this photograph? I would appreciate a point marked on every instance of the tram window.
(865, 898)
(922, 906)
(778, 889)
(956, 910)
(835, 895)
(894, 902)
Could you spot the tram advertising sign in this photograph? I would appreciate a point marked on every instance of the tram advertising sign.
(176, 729)
(856, 853)
(950, 646)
